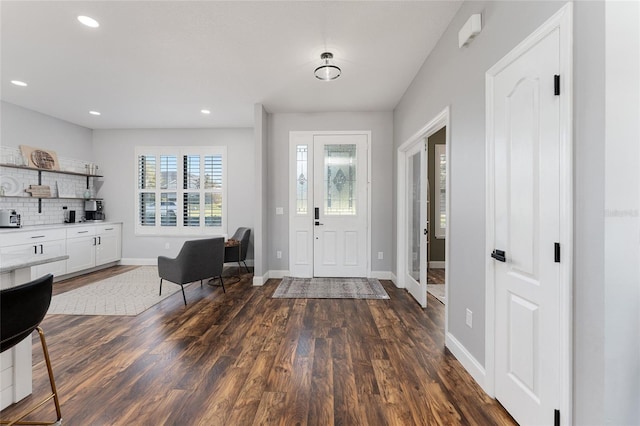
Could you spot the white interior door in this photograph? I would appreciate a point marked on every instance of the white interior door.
(416, 208)
(340, 181)
(526, 221)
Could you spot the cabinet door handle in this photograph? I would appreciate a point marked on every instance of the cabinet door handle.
(99, 240)
(35, 249)
(94, 241)
(38, 236)
(108, 229)
(82, 232)
(41, 249)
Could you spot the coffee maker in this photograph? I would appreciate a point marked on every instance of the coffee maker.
(93, 210)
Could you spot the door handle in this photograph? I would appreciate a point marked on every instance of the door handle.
(499, 255)
(318, 223)
(425, 231)
(317, 213)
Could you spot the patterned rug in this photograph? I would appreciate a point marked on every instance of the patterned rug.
(126, 294)
(437, 291)
(330, 288)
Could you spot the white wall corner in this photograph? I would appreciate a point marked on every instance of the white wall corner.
(393, 278)
(473, 367)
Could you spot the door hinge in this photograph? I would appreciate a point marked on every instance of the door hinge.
(556, 252)
(556, 85)
(556, 418)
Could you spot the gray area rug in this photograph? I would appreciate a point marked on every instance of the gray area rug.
(330, 288)
(437, 291)
(127, 294)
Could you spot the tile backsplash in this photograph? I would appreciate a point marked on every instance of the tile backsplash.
(52, 209)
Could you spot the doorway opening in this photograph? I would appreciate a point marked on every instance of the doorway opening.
(422, 216)
(436, 214)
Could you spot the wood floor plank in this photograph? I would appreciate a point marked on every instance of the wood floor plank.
(243, 358)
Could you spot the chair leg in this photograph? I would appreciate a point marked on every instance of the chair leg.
(222, 282)
(53, 395)
(54, 390)
(183, 295)
(245, 266)
(200, 283)
(160, 294)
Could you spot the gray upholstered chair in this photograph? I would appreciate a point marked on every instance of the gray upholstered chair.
(235, 253)
(197, 260)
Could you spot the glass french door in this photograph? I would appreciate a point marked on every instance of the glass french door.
(416, 220)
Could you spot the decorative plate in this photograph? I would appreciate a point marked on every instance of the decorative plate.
(10, 185)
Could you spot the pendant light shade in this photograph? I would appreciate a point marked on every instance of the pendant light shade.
(327, 71)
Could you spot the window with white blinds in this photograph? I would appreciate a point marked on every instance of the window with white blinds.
(180, 190)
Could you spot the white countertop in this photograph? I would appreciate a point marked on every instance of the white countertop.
(11, 262)
(57, 226)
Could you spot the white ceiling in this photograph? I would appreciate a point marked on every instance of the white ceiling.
(156, 64)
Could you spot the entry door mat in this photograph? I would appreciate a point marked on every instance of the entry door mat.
(330, 288)
(127, 294)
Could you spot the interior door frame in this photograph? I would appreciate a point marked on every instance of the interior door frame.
(305, 270)
(441, 120)
(562, 20)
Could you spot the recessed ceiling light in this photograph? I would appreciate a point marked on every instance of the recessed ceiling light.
(94, 112)
(19, 83)
(89, 22)
(205, 111)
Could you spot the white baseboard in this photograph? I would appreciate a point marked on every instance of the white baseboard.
(139, 261)
(278, 274)
(381, 275)
(436, 264)
(473, 367)
(393, 278)
(260, 280)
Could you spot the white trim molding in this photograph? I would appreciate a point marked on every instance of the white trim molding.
(473, 367)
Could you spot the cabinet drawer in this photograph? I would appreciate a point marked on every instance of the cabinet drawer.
(81, 231)
(28, 237)
(108, 229)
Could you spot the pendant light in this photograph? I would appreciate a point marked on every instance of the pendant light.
(327, 71)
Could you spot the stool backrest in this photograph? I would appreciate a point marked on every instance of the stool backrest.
(22, 309)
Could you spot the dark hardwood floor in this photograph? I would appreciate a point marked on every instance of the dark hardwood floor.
(242, 358)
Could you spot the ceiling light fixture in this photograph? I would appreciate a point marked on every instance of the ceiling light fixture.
(88, 21)
(19, 83)
(94, 112)
(327, 71)
(205, 111)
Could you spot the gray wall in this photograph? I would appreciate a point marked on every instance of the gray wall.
(114, 153)
(21, 126)
(261, 235)
(606, 255)
(456, 77)
(381, 126)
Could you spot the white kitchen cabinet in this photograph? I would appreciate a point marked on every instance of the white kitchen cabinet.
(108, 243)
(37, 243)
(81, 248)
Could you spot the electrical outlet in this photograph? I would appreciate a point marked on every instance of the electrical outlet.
(279, 254)
(380, 255)
(469, 318)
(167, 246)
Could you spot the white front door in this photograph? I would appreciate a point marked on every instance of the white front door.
(525, 133)
(328, 226)
(416, 208)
